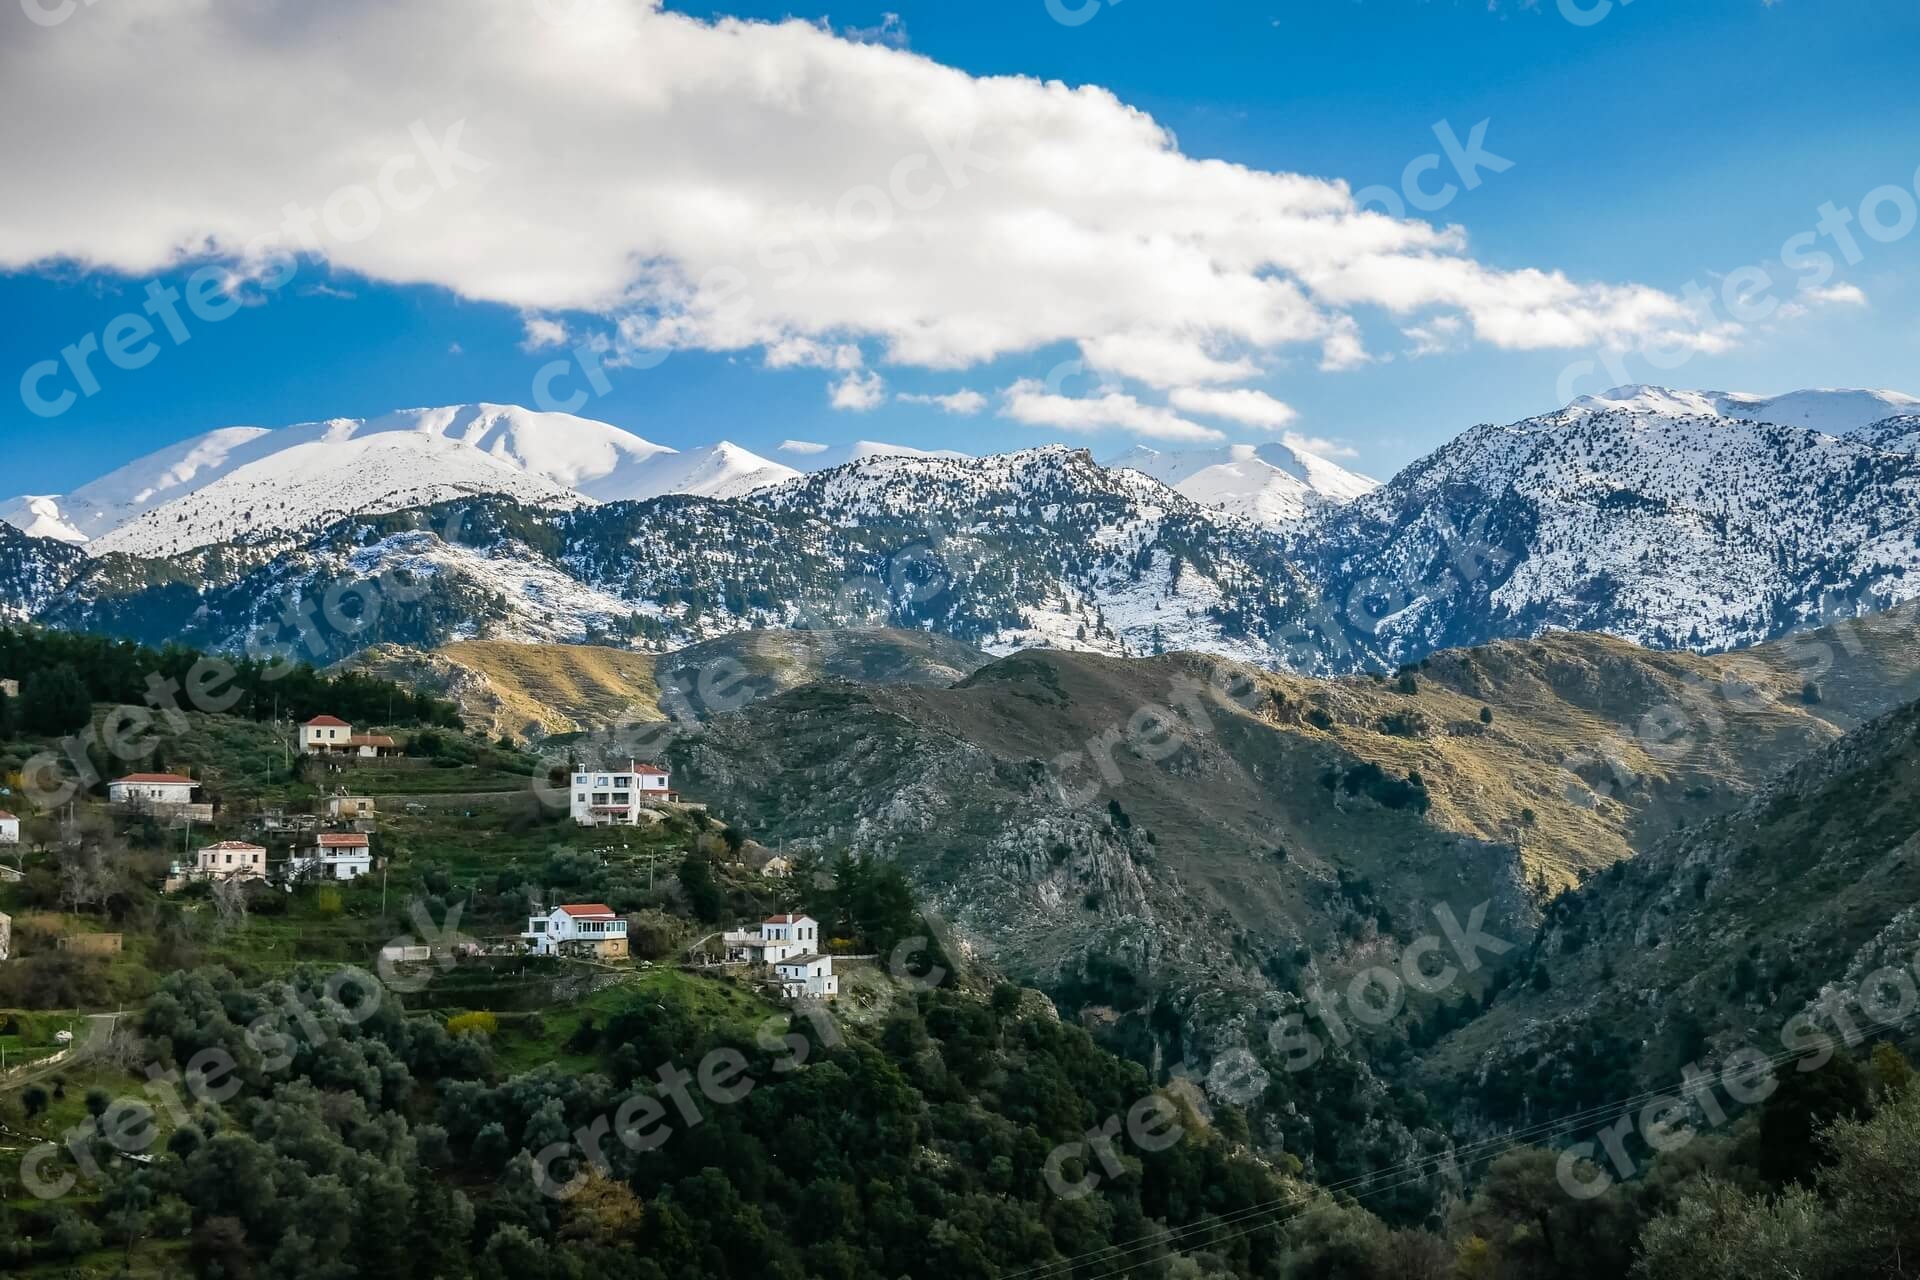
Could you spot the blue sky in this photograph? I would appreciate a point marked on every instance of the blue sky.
(1662, 144)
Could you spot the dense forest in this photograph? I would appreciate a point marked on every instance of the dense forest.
(61, 674)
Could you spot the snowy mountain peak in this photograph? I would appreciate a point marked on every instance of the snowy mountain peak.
(1274, 484)
(1834, 412)
(810, 457)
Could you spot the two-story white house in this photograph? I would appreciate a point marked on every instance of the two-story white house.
(228, 860)
(617, 796)
(343, 856)
(324, 733)
(330, 735)
(9, 828)
(232, 860)
(578, 928)
(776, 938)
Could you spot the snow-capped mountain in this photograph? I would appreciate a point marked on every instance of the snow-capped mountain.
(723, 470)
(1273, 484)
(1668, 517)
(242, 482)
(1834, 413)
(811, 457)
(1662, 516)
(128, 492)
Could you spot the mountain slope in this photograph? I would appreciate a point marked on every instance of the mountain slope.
(532, 691)
(1690, 530)
(1271, 484)
(32, 571)
(1714, 938)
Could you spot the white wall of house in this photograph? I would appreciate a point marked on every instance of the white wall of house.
(548, 933)
(808, 976)
(338, 863)
(233, 862)
(616, 796)
(9, 829)
(150, 792)
(324, 737)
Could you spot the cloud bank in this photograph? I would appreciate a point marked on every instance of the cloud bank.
(732, 186)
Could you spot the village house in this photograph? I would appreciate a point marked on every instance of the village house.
(166, 794)
(6, 935)
(618, 796)
(807, 977)
(228, 860)
(332, 857)
(233, 860)
(10, 687)
(340, 805)
(776, 938)
(9, 828)
(330, 735)
(578, 928)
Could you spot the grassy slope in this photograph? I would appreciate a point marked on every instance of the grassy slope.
(535, 690)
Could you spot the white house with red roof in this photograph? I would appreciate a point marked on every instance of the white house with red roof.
(330, 735)
(9, 828)
(333, 856)
(619, 795)
(578, 928)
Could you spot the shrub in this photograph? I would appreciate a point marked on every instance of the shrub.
(479, 1021)
(1486, 715)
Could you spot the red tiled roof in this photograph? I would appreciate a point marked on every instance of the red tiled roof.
(233, 846)
(586, 910)
(371, 740)
(326, 722)
(641, 766)
(157, 777)
(7, 817)
(342, 841)
(789, 918)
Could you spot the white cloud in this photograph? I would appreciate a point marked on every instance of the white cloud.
(963, 403)
(789, 353)
(859, 392)
(729, 186)
(1837, 294)
(1030, 401)
(1319, 446)
(803, 447)
(1255, 408)
(1437, 336)
(542, 333)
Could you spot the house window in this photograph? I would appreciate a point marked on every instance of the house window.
(580, 797)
